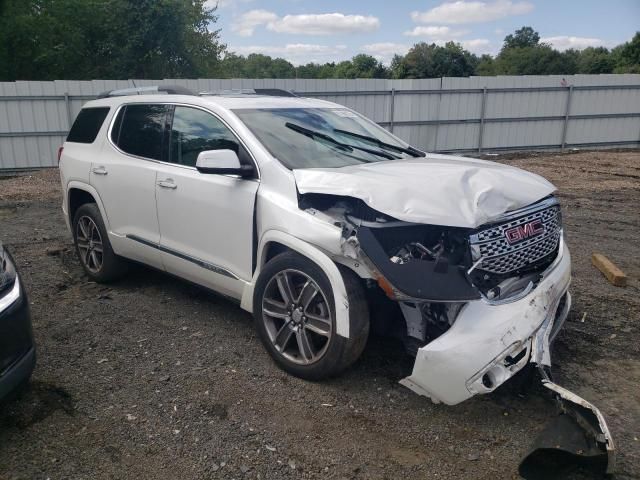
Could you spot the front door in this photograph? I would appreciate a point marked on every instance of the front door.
(206, 220)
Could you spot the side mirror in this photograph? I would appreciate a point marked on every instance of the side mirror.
(222, 162)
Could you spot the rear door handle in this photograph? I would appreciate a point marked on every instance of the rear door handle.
(99, 170)
(168, 183)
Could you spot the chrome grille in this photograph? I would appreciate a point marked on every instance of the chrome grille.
(500, 257)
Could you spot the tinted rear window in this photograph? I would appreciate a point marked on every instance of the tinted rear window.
(141, 129)
(87, 125)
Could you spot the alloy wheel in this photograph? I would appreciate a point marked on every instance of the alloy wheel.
(89, 242)
(297, 317)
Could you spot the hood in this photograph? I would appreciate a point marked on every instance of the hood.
(436, 189)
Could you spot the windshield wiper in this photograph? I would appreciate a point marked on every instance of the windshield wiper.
(342, 146)
(409, 150)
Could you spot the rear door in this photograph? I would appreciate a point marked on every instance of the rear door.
(125, 178)
(206, 221)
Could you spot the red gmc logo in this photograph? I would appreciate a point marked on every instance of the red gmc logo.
(522, 232)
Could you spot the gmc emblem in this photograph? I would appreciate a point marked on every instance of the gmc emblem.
(522, 232)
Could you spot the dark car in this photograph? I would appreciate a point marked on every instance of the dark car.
(17, 350)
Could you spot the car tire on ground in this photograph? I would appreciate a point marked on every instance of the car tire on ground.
(93, 248)
(294, 311)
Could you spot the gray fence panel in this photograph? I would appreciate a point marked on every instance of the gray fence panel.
(439, 114)
(603, 130)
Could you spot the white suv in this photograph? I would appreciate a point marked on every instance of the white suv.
(323, 225)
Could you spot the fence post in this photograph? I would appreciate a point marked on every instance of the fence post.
(67, 105)
(483, 106)
(566, 117)
(392, 109)
(437, 119)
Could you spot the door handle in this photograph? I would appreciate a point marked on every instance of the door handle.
(99, 170)
(168, 183)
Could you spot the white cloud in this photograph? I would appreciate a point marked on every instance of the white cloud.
(478, 46)
(436, 32)
(385, 51)
(463, 11)
(564, 42)
(297, 53)
(247, 22)
(308, 24)
(324, 24)
(385, 48)
(224, 3)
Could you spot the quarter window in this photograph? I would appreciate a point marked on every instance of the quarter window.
(138, 130)
(194, 131)
(87, 125)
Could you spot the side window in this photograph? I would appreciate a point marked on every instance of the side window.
(87, 125)
(141, 130)
(194, 131)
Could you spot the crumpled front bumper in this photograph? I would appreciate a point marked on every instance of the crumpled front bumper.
(489, 342)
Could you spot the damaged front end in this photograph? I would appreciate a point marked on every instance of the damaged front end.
(478, 304)
(481, 305)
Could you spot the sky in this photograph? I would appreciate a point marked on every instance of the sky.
(322, 31)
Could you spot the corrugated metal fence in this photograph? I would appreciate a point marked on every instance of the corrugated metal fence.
(442, 115)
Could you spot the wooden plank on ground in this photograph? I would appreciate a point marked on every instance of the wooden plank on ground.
(614, 274)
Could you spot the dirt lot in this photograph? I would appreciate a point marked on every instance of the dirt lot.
(154, 378)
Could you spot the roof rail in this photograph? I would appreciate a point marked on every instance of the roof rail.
(270, 92)
(168, 89)
(274, 92)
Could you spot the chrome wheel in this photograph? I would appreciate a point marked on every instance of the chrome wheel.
(89, 243)
(297, 317)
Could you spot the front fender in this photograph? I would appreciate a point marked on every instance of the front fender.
(315, 255)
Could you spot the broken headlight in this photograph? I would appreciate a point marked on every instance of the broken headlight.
(7, 271)
(436, 244)
(421, 261)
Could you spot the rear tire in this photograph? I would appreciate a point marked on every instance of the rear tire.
(93, 248)
(294, 311)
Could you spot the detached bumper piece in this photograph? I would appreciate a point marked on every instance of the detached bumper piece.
(579, 439)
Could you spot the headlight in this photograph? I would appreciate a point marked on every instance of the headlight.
(7, 271)
(426, 262)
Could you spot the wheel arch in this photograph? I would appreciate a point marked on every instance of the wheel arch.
(78, 194)
(275, 242)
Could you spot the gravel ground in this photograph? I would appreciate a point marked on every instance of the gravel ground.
(154, 378)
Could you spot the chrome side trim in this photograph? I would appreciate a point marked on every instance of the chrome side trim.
(201, 263)
(11, 297)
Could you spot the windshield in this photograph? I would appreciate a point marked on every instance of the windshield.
(322, 137)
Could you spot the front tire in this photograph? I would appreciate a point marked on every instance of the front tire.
(294, 311)
(93, 248)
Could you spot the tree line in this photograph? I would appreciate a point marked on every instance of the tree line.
(522, 53)
(116, 39)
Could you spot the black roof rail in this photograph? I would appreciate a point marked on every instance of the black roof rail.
(168, 89)
(274, 92)
(270, 92)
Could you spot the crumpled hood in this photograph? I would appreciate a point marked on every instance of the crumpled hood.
(436, 189)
